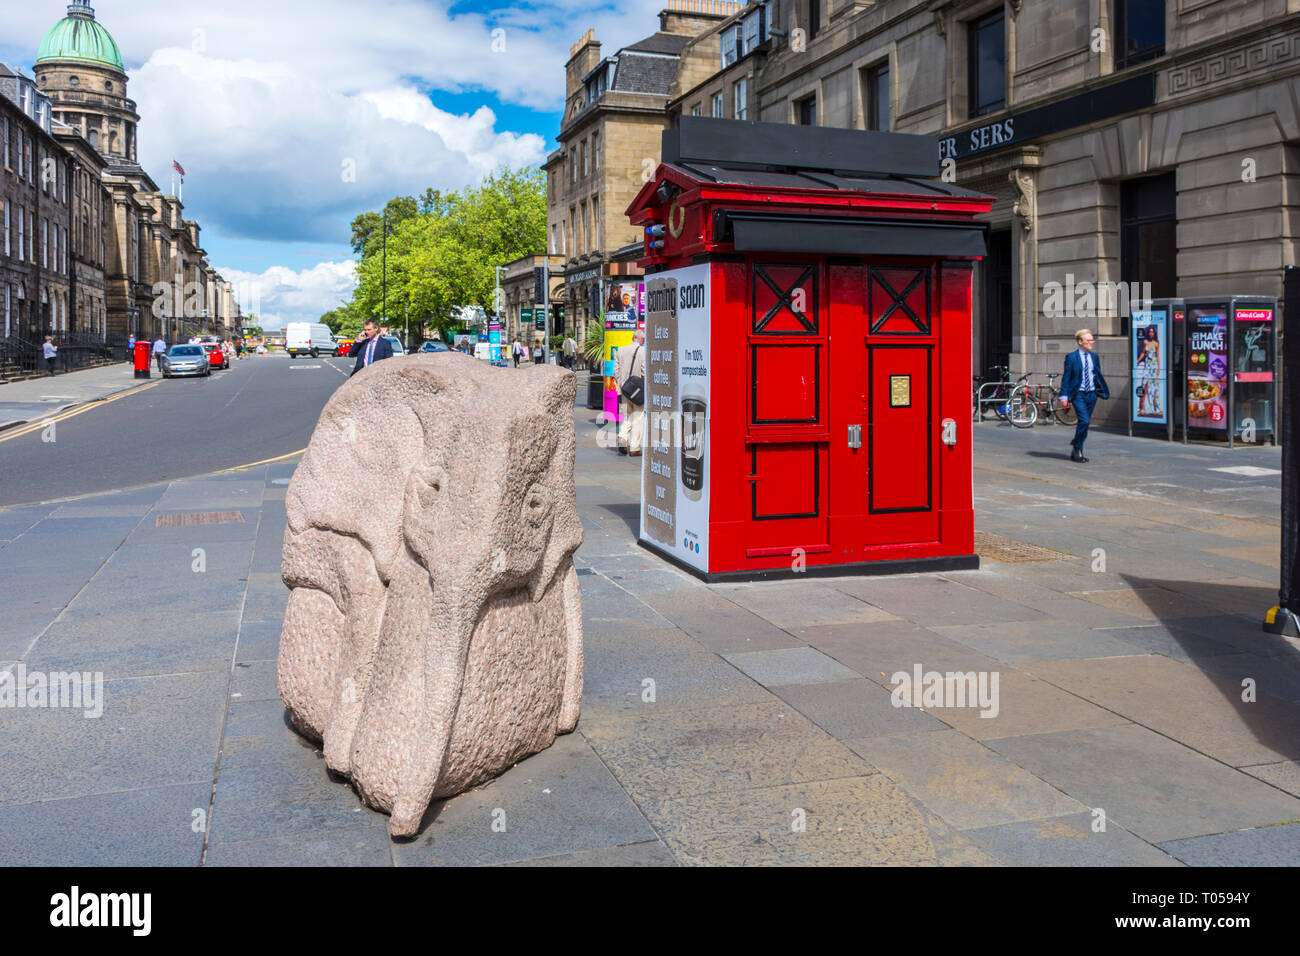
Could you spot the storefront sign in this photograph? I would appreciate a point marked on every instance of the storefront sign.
(1114, 99)
(674, 487)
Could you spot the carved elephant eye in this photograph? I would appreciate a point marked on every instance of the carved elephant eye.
(537, 504)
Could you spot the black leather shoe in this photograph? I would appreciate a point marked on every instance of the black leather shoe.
(1076, 455)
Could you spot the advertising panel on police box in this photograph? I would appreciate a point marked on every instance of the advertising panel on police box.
(674, 486)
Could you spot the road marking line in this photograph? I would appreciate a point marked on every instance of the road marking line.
(265, 461)
(86, 406)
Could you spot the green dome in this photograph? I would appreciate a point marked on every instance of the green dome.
(79, 36)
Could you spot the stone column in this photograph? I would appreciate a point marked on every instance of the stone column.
(1024, 253)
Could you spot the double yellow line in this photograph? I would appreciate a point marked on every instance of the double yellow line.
(41, 423)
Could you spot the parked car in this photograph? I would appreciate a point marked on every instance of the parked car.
(433, 346)
(345, 346)
(186, 360)
(396, 343)
(216, 356)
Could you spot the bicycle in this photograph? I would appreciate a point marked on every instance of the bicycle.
(994, 394)
(1045, 400)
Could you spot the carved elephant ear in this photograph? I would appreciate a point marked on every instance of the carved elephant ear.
(371, 434)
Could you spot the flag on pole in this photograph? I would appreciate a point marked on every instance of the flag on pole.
(177, 166)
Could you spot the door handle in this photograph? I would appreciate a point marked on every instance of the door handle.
(855, 436)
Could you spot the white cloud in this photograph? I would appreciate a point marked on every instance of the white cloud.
(281, 295)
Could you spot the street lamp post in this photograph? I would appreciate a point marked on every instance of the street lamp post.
(384, 307)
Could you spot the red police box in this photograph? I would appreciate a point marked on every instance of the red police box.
(808, 344)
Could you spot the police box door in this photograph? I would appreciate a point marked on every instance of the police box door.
(900, 484)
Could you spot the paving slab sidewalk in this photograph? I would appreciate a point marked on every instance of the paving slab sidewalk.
(37, 398)
(732, 724)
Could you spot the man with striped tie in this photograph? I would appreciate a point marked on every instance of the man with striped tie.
(372, 348)
(1081, 385)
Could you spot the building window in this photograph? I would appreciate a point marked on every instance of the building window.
(814, 17)
(987, 64)
(1149, 235)
(730, 46)
(22, 230)
(740, 100)
(7, 252)
(595, 150)
(717, 104)
(1139, 31)
(8, 313)
(45, 243)
(805, 111)
(573, 163)
(877, 97)
(595, 223)
(697, 110)
(5, 127)
(554, 248)
(586, 171)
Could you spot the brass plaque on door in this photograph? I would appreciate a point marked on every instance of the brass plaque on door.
(900, 391)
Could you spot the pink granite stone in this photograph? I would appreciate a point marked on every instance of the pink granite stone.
(433, 635)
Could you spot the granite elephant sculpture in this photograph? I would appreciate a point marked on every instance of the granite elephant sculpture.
(433, 635)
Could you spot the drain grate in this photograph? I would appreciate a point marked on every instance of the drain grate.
(1009, 551)
(198, 517)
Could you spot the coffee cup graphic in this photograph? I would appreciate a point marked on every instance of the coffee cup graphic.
(694, 412)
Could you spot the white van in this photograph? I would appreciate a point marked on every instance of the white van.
(309, 338)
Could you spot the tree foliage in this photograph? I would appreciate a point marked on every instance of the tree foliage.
(442, 248)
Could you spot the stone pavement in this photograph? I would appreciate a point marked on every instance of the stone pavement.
(37, 398)
(728, 724)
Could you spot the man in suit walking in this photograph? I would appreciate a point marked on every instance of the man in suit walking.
(1081, 385)
(373, 348)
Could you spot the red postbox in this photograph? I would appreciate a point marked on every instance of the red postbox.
(808, 342)
(140, 355)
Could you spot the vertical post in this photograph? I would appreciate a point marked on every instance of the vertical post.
(546, 305)
(383, 318)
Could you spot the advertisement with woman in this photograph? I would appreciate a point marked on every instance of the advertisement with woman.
(1150, 366)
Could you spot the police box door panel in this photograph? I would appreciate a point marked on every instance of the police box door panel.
(787, 430)
(901, 481)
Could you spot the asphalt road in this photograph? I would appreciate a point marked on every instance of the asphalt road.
(262, 407)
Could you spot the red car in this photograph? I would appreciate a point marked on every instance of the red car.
(216, 357)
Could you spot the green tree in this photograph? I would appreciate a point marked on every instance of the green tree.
(442, 248)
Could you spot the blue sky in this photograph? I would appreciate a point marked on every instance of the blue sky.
(292, 116)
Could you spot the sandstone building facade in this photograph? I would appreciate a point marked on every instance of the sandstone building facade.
(614, 115)
(102, 241)
(1130, 144)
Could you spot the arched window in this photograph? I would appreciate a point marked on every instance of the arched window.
(94, 138)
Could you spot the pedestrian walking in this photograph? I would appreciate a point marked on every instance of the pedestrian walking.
(570, 351)
(159, 350)
(537, 354)
(373, 348)
(516, 350)
(130, 344)
(1081, 385)
(50, 352)
(629, 375)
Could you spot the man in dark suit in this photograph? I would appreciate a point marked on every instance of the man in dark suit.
(372, 348)
(1081, 385)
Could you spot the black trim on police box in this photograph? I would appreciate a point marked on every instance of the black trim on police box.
(839, 235)
(961, 562)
